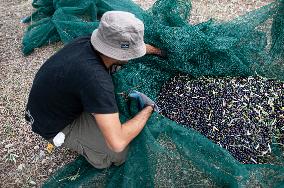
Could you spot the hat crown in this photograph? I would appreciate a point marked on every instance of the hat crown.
(123, 21)
(117, 28)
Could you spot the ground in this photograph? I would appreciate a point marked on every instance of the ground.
(24, 158)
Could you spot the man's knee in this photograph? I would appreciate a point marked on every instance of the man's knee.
(102, 159)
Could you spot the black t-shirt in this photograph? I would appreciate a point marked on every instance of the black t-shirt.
(72, 81)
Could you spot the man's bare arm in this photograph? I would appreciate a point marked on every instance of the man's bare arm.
(118, 135)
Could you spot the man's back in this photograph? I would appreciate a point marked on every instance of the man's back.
(61, 91)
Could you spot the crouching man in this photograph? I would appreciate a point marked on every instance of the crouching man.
(72, 101)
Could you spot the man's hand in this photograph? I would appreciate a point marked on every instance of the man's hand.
(155, 51)
(143, 100)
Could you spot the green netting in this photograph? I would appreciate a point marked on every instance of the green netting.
(166, 154)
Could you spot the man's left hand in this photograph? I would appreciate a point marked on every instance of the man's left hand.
(154, 51)
(143, 100)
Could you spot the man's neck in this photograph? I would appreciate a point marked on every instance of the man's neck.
(107, 61)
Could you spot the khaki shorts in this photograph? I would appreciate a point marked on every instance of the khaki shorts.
(84, 137)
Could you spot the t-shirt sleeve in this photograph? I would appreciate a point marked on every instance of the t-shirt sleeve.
(98, 95)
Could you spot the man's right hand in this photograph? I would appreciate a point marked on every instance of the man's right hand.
(143, 100)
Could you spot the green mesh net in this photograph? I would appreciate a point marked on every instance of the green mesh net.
(165, 154)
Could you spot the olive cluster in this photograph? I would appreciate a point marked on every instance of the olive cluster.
(243, 115)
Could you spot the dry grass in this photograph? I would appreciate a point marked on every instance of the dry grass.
(24, 160)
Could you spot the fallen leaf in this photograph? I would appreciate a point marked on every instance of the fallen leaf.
(49, 147)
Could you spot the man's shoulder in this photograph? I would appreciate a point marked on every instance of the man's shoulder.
(76, 46)
(76, 50)
(81, 39)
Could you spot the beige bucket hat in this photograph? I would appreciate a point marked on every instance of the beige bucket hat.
(120, 36)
